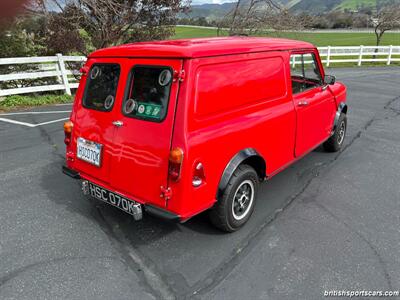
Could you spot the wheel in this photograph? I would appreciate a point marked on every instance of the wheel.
(335, 142)
(236, 205)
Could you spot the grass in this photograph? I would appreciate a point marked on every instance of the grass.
(354, 4)
(318, 39)
(193, 32)
(17, 101)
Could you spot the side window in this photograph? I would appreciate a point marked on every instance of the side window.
(304, 71)
(101, 87)
(148, 93)
(296, 63)
(311, 69)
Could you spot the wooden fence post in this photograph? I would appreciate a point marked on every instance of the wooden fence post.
(361, 55)
(59, 79)
(389, 59)
(64, 75)
(328, 56)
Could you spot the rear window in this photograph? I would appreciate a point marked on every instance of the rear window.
(101, 86)
(148, 93)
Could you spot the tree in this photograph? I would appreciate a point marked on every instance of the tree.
(23, 36)
(248, 17)
(251, 16)
(103, 23)
(387, 18)
(9, 9)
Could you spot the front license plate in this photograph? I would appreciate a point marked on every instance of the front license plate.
(89, 151)
(129, 206)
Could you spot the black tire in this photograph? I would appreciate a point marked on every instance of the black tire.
(231, 212)
(336, 141)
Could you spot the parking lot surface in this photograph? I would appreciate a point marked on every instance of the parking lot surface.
(331, 221)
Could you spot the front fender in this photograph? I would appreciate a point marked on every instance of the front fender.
(342, 108)
(339, 91)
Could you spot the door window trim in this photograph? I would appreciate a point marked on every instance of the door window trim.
(317, 61)
(129, 86)
(87, 85)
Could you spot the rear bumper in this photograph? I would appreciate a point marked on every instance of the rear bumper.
(150, 209)
(161, 213)
(70, 172)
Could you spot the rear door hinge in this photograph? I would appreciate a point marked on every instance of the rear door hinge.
(166, 193)
(179, 76)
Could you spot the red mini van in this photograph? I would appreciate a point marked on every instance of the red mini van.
(175, 128)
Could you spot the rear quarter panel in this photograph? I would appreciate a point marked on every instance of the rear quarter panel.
(235, 117)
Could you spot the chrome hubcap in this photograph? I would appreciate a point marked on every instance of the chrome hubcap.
(243, 200)
(341, 133)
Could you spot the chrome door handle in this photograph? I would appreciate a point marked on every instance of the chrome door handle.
(302, 103)
(118, 123)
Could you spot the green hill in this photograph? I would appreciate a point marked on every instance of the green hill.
(316, 6)
(214, 11)
(356, 4)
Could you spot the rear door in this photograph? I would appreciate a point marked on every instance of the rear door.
(315, 104)
(95, 109)
(144, 123)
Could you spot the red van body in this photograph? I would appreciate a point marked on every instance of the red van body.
(218, 104)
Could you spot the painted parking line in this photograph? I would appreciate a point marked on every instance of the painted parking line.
(36, 113)
(33, 113)
(63, 104)
(30, 124)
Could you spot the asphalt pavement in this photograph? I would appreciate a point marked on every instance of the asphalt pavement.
(331, 221)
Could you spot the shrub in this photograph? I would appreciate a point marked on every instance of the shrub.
(21, 101)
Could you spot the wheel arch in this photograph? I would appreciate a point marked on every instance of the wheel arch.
(342, 108)
(247, 156)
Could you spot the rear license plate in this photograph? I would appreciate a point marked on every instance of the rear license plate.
(89, 151)
(129, 206)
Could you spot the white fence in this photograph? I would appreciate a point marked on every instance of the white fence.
(359, 54)
(57, 66)
(44, 67)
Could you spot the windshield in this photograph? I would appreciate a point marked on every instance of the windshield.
(148, 93)
(101, 87)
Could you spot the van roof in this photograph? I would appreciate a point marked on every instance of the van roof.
(201, 47)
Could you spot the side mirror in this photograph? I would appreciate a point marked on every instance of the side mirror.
(329, 79)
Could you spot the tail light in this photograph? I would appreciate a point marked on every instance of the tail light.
(198, 175)
(175, 163)
(68, 126)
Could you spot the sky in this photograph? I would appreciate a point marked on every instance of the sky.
(211, 1)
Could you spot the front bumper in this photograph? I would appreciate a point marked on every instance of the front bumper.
(149, 209)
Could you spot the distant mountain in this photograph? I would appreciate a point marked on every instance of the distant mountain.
(315, 6)
(215, 11)
(210, 11)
